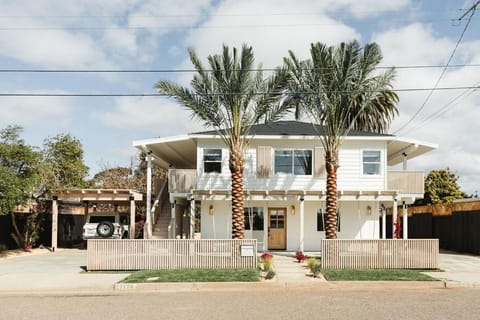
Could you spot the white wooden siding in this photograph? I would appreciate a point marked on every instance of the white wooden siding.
(350, 175)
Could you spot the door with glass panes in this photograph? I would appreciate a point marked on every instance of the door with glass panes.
(277, 223)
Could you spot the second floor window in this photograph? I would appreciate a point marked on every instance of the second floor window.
(297, 162)
(212, 160)
(371, 162)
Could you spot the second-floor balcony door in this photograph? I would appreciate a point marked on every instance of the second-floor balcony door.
(277, 220)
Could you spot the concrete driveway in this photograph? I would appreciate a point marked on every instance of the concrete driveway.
(459, 269)
(59, 271)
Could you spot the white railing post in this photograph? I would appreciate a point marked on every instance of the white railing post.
(147, 234)
(302, 222)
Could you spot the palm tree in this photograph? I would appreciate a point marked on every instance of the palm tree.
(231, 98)
(340, 89)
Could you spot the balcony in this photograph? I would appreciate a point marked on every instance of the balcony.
(182, 180)
(406, 182)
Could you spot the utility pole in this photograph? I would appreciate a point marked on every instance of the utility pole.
(472, 8)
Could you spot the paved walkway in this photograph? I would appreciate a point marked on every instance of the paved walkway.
(290, 273)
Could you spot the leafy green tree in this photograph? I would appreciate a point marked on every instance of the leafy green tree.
(63, 165)
(18, 180)
(441, 186)
(231, 99)
(18, 171)
(340, 89)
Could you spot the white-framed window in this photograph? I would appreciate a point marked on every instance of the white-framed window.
(212, 160)
(322, 219)
(296, 162)
(371, 162)
(253, 218)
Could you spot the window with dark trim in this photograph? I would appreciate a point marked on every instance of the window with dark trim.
(253, 216)
(322, 219)
(371, 162)
(297, 162)
(212, 160)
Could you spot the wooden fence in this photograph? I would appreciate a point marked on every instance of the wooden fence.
(380, 254)
(126, 254)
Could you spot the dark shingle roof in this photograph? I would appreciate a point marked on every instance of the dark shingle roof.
(294, 128)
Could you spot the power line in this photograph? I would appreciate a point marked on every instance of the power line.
(443, 71)
(209, 70)
(214, 94)
(454, 102)
(238, 26)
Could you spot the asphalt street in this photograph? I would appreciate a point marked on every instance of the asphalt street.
(299, 303)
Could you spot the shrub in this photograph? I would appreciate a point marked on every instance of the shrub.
(267, 260)
(311, 262)
(300, 256)
(3, 247)
(316, 268)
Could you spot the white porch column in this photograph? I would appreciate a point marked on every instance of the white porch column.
(266, 227)
(192, 217)
(384, 222)
(173, 222)
(147, 231)
(131, 233)
(394, 218)
(405, 221)
(54, 222)
(302, 222)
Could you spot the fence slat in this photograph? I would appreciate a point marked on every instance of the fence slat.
(382, 253)
(139, 254)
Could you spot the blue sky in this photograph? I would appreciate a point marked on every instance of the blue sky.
(121, 34)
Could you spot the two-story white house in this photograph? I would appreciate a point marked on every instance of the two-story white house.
(284, 184)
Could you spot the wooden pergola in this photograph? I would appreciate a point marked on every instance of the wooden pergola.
(121, 197)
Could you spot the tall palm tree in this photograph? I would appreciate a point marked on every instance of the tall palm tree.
(340, 89)
(231, 98)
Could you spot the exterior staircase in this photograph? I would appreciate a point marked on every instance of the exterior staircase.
(160, 229)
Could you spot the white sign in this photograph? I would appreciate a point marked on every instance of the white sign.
(246, 250)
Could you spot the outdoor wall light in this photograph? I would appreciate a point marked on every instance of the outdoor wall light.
(211, 210)
(292, 210)
(369, 210)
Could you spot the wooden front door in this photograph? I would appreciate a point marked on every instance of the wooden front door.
(277, 223)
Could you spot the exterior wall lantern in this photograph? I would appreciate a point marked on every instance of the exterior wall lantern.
(292, 210)
(211, 210)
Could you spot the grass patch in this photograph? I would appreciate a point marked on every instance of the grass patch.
(193, 275)
(375, 275)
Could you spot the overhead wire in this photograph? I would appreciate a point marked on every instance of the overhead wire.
(18, 94)
(209, 70)
(439, 78)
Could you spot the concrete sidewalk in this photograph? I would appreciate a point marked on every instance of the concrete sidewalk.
(290, 273)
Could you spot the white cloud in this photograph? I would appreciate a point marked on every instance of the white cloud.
(157, 116)
(269, 39)
(454, 128)
(35, 111)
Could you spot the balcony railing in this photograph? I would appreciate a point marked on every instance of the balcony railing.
(181, 180)
(406, 182)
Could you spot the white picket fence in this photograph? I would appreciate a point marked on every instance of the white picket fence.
(126, 254)
(380, 254)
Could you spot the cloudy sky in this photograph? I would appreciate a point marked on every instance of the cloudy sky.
(155, 35)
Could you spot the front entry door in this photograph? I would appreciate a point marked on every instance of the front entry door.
(277, 220)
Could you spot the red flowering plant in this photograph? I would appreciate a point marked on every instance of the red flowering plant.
(267, 261)
(300, 256)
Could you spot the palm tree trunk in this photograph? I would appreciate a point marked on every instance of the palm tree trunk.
(237, 164)
(331, 162)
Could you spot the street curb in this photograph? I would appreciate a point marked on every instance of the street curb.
(264, 285)
(194, 286)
